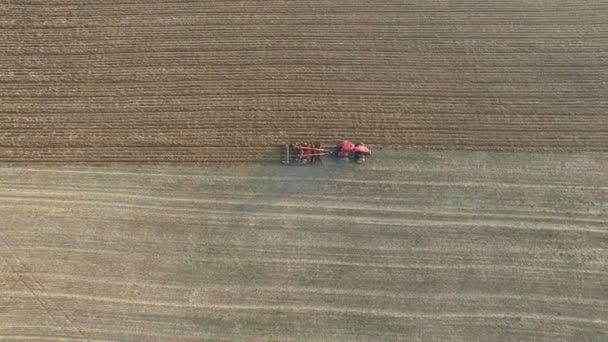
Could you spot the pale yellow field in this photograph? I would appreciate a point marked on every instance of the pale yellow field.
(467, 246)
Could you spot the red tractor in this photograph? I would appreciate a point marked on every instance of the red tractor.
(309, 153)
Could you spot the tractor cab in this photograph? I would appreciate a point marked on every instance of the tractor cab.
(344, 151)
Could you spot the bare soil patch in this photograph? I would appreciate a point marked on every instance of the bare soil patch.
(89, 81)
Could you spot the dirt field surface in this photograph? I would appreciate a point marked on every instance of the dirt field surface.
(169, 80)
(470, 246)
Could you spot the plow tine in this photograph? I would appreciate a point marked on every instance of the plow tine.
(287, 157)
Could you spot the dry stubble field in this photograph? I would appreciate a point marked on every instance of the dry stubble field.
(417, 245)
(414, 245)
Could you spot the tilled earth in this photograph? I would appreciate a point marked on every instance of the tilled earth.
(224, 81)
(470, 246)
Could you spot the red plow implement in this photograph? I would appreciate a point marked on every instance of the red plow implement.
(304, 153)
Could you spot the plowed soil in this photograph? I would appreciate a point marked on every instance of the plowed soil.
(220, 81)
(467, 246)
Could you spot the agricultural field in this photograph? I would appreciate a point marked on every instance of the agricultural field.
(470, 246)
(196, 81)
(141, 197)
